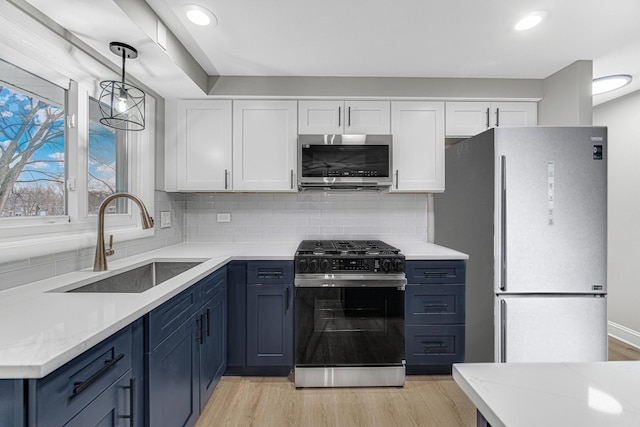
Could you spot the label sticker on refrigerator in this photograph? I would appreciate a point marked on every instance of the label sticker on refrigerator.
(551, 189)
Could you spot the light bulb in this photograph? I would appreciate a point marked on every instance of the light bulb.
(121, 105)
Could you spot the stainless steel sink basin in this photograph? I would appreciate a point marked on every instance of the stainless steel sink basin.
(138, 279)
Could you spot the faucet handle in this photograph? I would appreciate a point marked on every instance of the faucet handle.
(110, 251)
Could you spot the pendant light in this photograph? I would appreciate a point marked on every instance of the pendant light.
(121, 103)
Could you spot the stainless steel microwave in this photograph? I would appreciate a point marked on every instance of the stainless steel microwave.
(344, 161)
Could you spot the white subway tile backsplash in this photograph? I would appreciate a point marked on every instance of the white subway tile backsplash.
(316, 215)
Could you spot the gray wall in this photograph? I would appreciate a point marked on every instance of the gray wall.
(567, 98)
(622, 116)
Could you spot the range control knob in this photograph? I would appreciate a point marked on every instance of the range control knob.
(302, 265)
(325, 265)
(313, 265)
(398, 265)
(386, 264)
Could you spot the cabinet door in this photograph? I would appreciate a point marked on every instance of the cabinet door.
(418, 146)
(270, 325)
(320, 117)
(213, 351)
(264, 145)
(111, 409)
(204, 145)
(173, 378)
(367, 117)
(511, 114)
(465, 119)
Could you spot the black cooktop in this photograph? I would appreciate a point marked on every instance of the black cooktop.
(346, 248)
(348, 256)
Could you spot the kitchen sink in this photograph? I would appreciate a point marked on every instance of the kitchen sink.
(138, 279)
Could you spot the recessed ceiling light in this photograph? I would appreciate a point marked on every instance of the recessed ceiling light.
(530, 20)
(609, 83)
(199, 15)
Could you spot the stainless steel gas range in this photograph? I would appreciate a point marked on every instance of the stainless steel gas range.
(349, 314)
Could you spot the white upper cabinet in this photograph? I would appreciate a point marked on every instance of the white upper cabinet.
(465, 119)
(203, 151)
(344, 117)
(264, 145)
(418, 146)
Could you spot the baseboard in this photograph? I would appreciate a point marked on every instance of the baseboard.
(624, 334)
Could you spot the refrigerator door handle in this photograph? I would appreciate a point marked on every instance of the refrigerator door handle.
(503, 331)
(503, 223)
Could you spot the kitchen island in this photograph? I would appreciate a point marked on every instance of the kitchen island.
(553, 394)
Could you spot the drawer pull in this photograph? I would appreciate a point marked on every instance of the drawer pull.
(270, 274)
(442, 273)
(436, 307)
(434, 347)
(79, 387)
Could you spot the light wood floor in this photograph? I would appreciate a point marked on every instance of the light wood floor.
(424, 401)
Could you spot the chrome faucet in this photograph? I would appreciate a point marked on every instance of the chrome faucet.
(100, 262)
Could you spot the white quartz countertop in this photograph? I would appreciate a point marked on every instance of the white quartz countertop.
(41, 328)
(554, 394)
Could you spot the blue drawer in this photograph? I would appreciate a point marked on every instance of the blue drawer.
(173, 313)
(269, 272)
(434, 345)
(434, 304)
(63, 393)
(441, 272)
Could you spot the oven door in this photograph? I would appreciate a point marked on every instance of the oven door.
(349, 326)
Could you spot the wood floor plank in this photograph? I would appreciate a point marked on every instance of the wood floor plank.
(424, 401)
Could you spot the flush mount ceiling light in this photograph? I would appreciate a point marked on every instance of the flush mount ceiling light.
(609, 83)
(122, 104)
(530, 20)
(200, 15)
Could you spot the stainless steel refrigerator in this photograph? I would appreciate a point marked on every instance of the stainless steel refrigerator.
(529, 206)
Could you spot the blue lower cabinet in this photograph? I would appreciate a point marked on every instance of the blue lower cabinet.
(213, 356)
(270, 325)
(260, 318)
(76, 386)
(113, 408)
(435, 315)
(184, 368)
(173, 378)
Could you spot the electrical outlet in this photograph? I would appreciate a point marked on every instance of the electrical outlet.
(165, 219)
(224, 217)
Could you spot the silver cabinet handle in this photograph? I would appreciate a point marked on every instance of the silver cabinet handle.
(396, 179)
(292, 179)
(497, 117)
(503, 331)
(226, 179)
(339, 116)
(503, 223)
(488, 118)
(349, 122)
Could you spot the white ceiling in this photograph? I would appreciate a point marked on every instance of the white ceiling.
(388, 38)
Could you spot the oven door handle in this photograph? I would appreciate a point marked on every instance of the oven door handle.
(331, 281)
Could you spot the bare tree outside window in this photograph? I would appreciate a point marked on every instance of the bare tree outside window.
(107, 163)
(32, 155)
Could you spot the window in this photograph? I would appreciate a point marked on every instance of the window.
(32, 145)
(58, 163)
(107, 163)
